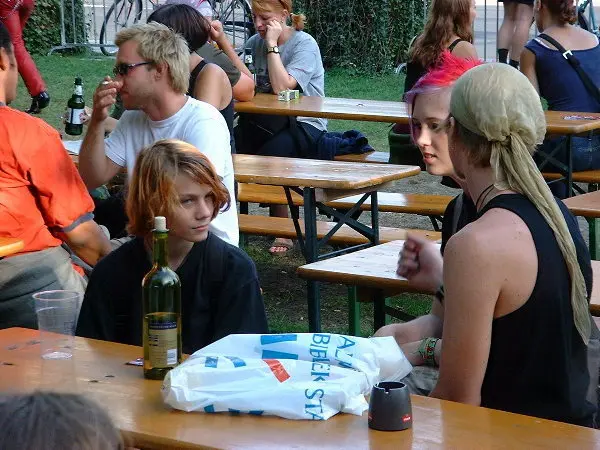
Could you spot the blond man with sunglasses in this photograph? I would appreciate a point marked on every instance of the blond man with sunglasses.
(151, 75)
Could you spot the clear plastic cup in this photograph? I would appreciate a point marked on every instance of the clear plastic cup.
(57, 313)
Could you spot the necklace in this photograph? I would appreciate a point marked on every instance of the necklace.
(484, 194)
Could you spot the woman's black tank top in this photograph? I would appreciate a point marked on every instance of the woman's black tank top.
(226, 112)
(538, 362)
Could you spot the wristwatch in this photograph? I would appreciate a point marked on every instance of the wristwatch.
(274, 49)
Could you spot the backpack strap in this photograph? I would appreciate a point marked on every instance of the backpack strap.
(574, 62)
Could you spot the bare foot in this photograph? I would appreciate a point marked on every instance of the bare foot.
(281, 246)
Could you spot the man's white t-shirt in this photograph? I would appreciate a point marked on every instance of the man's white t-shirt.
(197, 123)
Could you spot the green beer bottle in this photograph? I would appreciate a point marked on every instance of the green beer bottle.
(75, 107)
(161, 293)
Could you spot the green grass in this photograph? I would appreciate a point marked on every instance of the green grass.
(341, 83)
(284, 292)
(59, 74)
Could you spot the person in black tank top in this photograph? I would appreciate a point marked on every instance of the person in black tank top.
(517, 280)
(208, 82)
(226, 112)
(438, 36)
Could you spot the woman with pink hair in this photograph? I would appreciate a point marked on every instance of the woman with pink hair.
(420, 260)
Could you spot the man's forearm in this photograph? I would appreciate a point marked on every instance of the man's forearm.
(92, 159)
(88, 242)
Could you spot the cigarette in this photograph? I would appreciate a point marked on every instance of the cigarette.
(104, 83)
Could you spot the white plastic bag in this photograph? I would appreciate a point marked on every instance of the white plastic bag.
(296, 376)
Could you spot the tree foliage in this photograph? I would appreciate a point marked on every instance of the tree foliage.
(367, 35)
(43, 28)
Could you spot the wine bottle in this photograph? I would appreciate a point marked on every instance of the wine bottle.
(161, 292)
(75, 107)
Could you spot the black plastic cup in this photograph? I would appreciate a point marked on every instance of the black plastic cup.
(389, 407)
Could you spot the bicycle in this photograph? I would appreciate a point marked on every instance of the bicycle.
(235, 15)
(587, 23)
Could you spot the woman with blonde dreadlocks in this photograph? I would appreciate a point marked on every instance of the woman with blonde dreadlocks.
(516, 281)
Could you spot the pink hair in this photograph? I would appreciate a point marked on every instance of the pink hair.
(442, 75)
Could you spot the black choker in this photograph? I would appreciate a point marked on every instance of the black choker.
(484, 194)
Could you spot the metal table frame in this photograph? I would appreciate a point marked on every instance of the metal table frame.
(311, 245)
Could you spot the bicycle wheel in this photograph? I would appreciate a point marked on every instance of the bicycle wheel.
(236, 17)
(122, 14)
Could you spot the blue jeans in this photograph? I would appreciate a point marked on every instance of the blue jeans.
(585, 156)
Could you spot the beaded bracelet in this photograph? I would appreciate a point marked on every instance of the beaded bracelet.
(427, 351)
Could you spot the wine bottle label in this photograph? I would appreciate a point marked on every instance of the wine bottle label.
(78, 90)
(74, 116)
(162, 344)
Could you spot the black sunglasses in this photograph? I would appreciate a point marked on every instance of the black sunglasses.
(123, 68)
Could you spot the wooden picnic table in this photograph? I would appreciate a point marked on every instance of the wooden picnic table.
(557, 122)
(98, 371)
(319, 182)
(586, 205)
(327, 108)
(563, 123)
(373, 272)
(10, 246)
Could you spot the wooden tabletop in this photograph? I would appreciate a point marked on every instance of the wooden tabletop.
(586, 205)
(315, 173)
(562, 122)
(327, 108)
(98, 371)
(373, 267)
(557, 122)
(10, 246)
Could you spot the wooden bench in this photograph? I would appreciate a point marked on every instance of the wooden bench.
(585, 176)
(591, 177)
(369, 157)
(421, 204)
(284, 228)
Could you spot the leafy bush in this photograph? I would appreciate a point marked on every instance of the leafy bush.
(43, 29)
(370, 36)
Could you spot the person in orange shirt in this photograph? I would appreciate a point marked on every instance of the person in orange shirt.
(43, 202)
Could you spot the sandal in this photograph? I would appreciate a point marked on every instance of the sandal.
(281, 243)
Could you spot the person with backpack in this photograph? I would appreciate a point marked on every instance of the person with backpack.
(220, 289)
(567, 84)
(285, 57)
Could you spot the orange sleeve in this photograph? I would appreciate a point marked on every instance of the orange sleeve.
(62, 196)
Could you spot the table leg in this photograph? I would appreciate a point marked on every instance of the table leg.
(311, 246)
(353, 312)
(375, 218)
(569, 166)
(378, 309)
